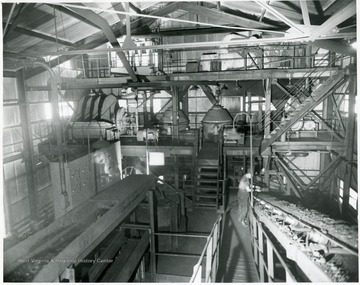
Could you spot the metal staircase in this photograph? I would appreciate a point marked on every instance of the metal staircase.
(307, 103)
(208, 187)
(206, 193)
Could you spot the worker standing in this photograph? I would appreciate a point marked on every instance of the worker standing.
(243, 198)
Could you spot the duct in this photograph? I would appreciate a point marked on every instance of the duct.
(57, 126)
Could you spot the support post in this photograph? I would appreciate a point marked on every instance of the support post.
(174, 211)
(350, 135)
(153, 229)
(175, 112)
(28, 148)
(267, 126)
(270, 261)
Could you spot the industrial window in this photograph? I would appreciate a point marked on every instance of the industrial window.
(66, 109)
(156, 158)
(353, 196)
(341, 190)
(156, 105)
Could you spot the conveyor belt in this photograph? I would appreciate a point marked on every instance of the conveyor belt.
(45, 255)
(320, 251)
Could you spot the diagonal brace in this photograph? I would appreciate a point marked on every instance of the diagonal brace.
(104, 25)
(331, 166)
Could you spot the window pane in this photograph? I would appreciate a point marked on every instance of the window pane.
(353, 193)
(41, 111)
(11, 116)
(10, 88)
(352, 202)
(65, 109)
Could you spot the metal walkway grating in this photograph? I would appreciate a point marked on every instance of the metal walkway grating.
(236, 262)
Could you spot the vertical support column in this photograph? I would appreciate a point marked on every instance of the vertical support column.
(261, 59)
(261, 253)
(270, 261)
(256, 239)
(185, 104)
(175, 111)
(153, 228)
(215, 253)
(28, 147)
(325, 158)
(349, 138)
(267, 126)
(267, 123)
(7, 218)
(248, 95)
(85, 63)
(146, 119)
(209, 257)
(308, 57)
(224, 195)
(174, 214)
(152, 105)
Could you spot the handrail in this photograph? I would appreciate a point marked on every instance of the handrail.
(211, 250)
(298, 90)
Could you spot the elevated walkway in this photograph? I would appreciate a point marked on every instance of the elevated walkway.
(236, 264)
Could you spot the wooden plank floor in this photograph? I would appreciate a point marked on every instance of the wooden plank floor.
(236, 262)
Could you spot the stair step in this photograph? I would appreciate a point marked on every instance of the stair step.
(207, 181)
(210, 174)
(208, 170)
(205, 206)
(206, 196)
(206, 188)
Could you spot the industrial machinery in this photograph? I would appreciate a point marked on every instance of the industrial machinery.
(166, 122)
(215, 118)
(232, 136)
(304, 128)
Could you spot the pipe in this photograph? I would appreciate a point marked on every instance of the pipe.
(56, 126)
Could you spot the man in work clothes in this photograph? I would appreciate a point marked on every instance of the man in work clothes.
(243, 198)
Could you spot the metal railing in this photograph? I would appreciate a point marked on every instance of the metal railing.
(300, 91)
(210, 255)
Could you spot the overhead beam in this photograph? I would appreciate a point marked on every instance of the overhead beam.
(120, 8)
(135, 8)
(100, 40)
(332, 6)
(334, 20)
(42, 36)
(222, 16)
(280, 16)
(209, 94)
(305, 12)
(9, 16)
(72, 14)
(21, 16)
(104, 25)
(335, 46)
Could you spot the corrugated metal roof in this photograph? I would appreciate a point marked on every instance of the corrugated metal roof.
(44, 18)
